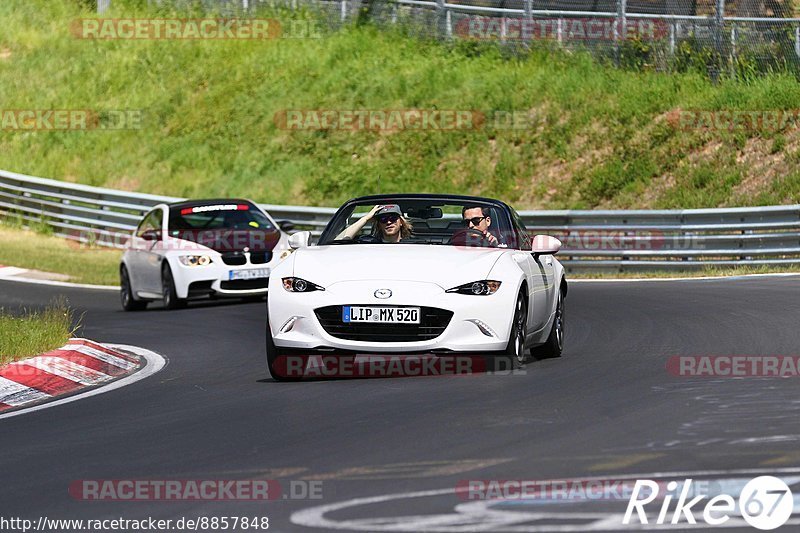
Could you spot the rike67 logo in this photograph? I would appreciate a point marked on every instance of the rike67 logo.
(765, 503)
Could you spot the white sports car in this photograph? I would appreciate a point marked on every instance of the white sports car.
(418, 274)
(200, 248)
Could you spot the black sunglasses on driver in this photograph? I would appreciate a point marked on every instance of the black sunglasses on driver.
(385, 219)
(474, 221)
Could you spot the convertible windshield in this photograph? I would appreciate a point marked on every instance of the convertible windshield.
(434, 221)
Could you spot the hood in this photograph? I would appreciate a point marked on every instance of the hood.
(229, 240)
(447, 266)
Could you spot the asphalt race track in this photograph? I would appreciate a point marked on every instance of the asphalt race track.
(607, 408)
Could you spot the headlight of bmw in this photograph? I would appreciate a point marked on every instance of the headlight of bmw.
(477, 288)
(195, 260)
(300, 285)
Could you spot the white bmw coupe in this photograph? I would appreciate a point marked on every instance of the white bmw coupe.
(200, 248)
(418, 274)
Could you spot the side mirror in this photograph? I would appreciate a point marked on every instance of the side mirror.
(545, 245)
(285, 225)
(151, 235)
(300, 239)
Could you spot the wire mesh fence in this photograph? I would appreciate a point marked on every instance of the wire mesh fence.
(737, 38)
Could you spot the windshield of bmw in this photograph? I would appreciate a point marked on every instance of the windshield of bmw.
(224, 227)
(237, 216)
(421, 221)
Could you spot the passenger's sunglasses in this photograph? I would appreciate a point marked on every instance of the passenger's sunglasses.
(474, 221)
(385, 219)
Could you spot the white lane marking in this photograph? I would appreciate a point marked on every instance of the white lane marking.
(60, 283)
(697, 278)
(16, 394)
(11, 271)
(98, 354)
(66, 369)
(480, 515)
(155, 363)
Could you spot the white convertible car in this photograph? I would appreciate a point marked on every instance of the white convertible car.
(200, 248)
(418, 274)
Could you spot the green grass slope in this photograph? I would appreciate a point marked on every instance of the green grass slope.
(600, 137)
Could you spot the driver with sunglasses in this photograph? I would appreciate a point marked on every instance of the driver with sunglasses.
(391, 227)
(477, 218)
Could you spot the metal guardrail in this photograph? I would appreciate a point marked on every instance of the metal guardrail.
(613, 241)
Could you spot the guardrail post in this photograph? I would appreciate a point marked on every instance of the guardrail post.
(526, 35)
(672, 39)
(733, 49)
(719, 21)
(440, 19)
(343, 10)
(560, 30)
(797, 41)
(449, 23)
(619, 28)
(102, 6)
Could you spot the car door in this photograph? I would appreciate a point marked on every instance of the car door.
(137, 253)
(540, 278)
(145, 256)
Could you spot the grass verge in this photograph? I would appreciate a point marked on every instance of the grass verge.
(28, 249)
(593, 136)
(33, 333)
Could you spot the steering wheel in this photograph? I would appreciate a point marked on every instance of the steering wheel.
(468, 237)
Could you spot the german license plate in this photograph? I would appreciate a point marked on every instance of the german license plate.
(381, 315)
(253, 273)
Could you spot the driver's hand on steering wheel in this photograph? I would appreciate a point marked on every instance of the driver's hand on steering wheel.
(491, 239)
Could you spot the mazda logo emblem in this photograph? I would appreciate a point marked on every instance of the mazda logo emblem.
(383, 293)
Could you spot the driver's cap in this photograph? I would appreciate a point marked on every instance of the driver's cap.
(389, 208)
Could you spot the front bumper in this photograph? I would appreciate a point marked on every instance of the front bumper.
(213, 279)
(295, 325)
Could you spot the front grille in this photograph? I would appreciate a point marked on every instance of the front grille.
(259, 258)
(244, 284)
(239, 259)
(234, 258)
(433, 322)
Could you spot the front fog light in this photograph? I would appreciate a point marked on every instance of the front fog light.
(194, 260)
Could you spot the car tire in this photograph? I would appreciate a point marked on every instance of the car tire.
(275, 366)
(171, 300)
(515, 356)
(554, 345)
(126, 296)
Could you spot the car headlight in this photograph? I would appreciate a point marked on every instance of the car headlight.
(194, 260)
(300, 285)
(477, 288)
